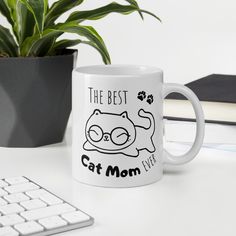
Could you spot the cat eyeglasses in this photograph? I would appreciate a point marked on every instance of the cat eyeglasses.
(119, 136)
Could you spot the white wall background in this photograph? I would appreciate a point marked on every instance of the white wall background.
(196, 38)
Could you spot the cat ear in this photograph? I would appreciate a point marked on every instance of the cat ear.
(97, 112)
(124, 114)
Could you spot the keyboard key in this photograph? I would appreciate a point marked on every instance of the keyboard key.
(16, 197)
(45, 196)
(2, 202)
(51, 199)
(11, 220)
(3, 192)
(16, 180)
(29, 228)
(11, 209)
(21, 187)
(75, 217)
(3, 183)
(8, 231)
(47, 212)
(33, 204)
(36, 193)
(53, 222)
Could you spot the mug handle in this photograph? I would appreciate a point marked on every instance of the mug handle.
(178, 160)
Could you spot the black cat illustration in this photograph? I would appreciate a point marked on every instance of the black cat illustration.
(111, 133)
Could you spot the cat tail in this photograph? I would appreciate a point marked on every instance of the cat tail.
(149, 116)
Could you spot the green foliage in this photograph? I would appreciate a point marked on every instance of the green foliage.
(35, 31)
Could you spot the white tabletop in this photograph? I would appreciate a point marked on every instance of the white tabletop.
(195, 199)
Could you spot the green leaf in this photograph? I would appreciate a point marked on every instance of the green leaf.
(40, 46)
(23, 21)
(134, 2)
(88, 32)
(12, 5)
(7, 43)
(38, 9)
(66, 43)
(26, 22)
(63, 44)
(58, 8)
(104, 57)
(101, 12)
(69, 43)
(150, 13)
(5, 12)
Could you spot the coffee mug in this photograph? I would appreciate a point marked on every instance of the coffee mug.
(117, 136)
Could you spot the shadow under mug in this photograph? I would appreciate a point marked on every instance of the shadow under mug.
(117, 138)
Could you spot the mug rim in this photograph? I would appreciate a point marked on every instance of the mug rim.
(118, 70)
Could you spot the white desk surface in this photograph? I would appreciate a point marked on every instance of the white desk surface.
(195, 199)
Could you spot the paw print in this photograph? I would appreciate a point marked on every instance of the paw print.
(150, 99)
(141, 95)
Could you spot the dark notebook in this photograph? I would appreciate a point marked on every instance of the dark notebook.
(217, 94)
(213, 88)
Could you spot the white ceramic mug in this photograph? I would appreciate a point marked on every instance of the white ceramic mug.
(118, 125)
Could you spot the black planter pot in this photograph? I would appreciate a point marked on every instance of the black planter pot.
(35, 99)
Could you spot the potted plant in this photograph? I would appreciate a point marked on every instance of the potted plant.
(35, 66)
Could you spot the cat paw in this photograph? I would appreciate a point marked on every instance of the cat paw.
(141, 95)
(150, 99)
(151, 148)
(130, 151)
(87, 146)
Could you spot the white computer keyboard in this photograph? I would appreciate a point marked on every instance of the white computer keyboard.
(28, 209)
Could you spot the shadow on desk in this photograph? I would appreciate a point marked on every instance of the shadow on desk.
(174, 171)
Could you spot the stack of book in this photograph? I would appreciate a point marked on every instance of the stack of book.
(217, 94)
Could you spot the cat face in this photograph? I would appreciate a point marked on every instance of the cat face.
(108, 131)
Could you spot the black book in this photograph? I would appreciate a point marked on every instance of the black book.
(217, 94)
